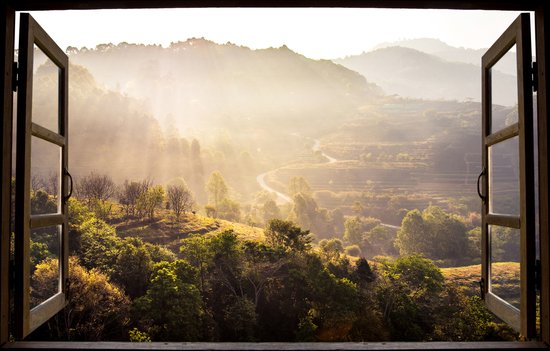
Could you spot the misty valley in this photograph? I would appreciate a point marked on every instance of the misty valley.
(229, 194)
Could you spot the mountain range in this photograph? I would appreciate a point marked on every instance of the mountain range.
(200, 83)
(449, 53)
(429, 69)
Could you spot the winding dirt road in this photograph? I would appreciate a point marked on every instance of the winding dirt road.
(284, 199)
(281, 197)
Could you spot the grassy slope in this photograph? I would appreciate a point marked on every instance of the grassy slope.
(168, 230)
(505, 276)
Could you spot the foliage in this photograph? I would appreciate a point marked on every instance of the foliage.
(408, 291)
(170, 309)
(133, 266)
(505, 244)
(129, 193)
(216, 189)
(135, 335)
(42, 202)
(286, 235)
(465, 318)
(353, 250)
(224, 287)
(331, 249)
(229, 210)
(357, 227)
(436, 234)
(308, 215)
(150, 200)
(97, 309)
(380, 240)
(97, 245)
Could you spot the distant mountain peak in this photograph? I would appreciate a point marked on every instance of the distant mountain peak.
(428, 45)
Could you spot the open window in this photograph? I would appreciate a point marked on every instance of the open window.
(41, 215)
(508, 184)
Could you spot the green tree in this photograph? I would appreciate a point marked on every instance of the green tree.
(133, 266)
(353, 250)
(171, 310)
(331, 249)
(380, 240)
(240, 316)
(150, 200)
(355, 228)
(436, 234)
(196, 250)
(412, 237)
(408, 292)
(286, 235)
(98, 245)
(216, 189)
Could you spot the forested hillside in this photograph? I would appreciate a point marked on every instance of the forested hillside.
(198, 85)
(219, 282)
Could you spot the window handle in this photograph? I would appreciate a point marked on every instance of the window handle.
(71, 186)
(481, 196)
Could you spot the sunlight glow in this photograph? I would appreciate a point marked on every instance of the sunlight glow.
(314, 32)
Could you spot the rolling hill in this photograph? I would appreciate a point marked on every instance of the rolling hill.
(412, 73)
(194, 84)
(447, 52)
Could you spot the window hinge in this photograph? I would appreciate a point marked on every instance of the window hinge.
(482, 288)
(537, 275)
(14, 76)
(535, 78)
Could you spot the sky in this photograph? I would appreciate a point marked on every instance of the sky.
(318, 33)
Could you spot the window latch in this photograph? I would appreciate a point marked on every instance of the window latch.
(14, 76)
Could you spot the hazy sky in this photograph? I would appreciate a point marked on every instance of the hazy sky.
(316, 33)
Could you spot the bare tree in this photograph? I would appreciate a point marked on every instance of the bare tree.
(180, 198)
(98, 187)
(52, 184)
(37, 183)
(129, 193)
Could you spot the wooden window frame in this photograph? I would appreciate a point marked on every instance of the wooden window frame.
(31, 35)
(542, 24)
(518, 35)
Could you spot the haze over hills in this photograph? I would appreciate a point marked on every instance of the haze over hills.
(450, 53)
(201, 83)
(196, 107)
(412, 73)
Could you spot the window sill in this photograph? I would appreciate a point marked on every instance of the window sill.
(49, 345)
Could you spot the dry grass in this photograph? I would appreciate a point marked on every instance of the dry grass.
(165, 229)
(505, 279)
